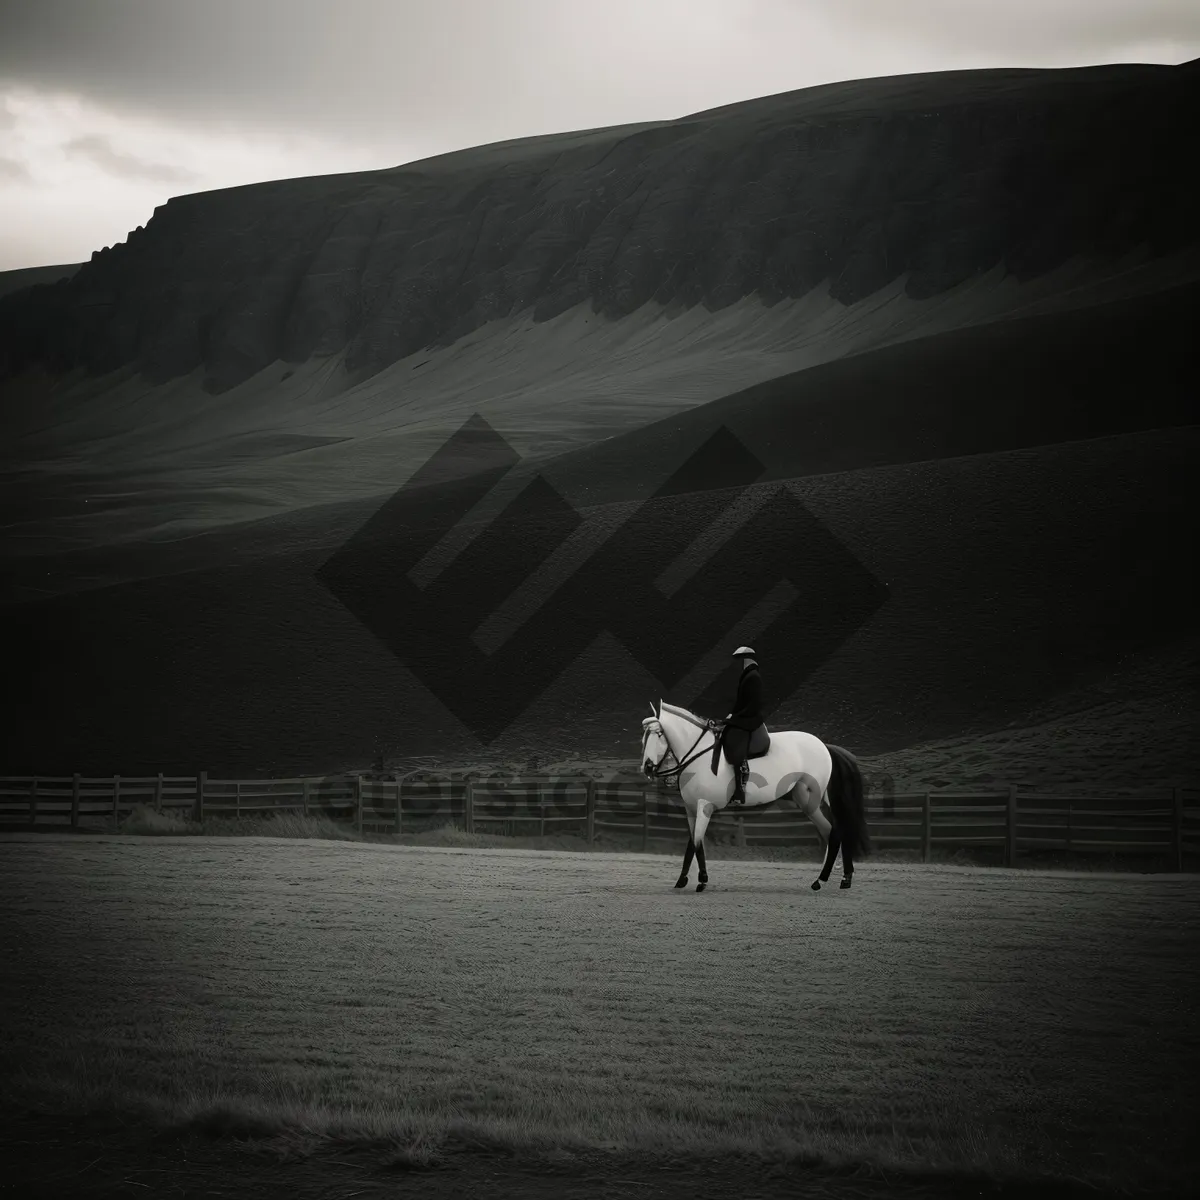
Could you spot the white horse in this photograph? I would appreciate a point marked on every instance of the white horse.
(824, 782)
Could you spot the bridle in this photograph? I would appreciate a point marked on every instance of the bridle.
(688, 757)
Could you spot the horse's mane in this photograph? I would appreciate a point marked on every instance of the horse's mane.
(687, 714)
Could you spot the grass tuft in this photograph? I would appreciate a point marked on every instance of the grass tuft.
(147, 821)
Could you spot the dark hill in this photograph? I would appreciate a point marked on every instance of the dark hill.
(935, 178)
(1015, 500)
(1108, 369)
(1011, 579)
(28, 277)
(1027, 542)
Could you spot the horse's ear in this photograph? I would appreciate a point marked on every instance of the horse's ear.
(652, 712)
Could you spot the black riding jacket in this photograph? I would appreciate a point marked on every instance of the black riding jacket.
(747, 708)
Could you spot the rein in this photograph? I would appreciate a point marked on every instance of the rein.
(688, 757)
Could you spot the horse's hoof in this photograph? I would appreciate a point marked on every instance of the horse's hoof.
(816, 885)
(682, 881)
(700, 887)
(846, 882)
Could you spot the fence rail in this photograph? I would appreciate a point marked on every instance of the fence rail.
(1163, 822)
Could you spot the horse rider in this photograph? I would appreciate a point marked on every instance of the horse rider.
(745, 719)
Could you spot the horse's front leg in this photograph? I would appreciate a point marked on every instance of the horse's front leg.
(703, 877)
(688, 855)
(847, 869)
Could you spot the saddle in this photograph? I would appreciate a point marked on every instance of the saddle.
(760, 743)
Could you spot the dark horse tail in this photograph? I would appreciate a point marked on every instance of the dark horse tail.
(847, 805)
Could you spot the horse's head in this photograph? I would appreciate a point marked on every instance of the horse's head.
(655, 746)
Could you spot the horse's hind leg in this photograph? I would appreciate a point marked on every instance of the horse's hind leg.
(688, 854)
(835, 841)
(703, 878)
(847, 868)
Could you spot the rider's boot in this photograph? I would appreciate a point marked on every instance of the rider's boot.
(740, 777)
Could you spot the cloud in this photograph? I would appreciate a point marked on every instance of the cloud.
(12, 171)
(1032, 30)
(99, 150)
(452, 73)
(88, 175)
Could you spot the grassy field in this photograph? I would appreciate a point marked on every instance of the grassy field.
(720, 841)
(317, 995)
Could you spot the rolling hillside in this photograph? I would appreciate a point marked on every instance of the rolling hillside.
(932, 340)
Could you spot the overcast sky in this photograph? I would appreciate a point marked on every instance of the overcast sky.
(109, 107)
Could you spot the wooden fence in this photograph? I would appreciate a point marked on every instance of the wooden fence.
(623, 811)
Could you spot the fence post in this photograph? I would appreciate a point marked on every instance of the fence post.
(116, 801)
(75, 801)
(33, 793)
(926, 827)
(1070, 815)
(740, 834)
(1010, 828)
(304, 795)
(1178, 797)
(237, 800)
(645, 819)
(158, 792)
(399, 805)
(358, 802)
(591, 810)
(201, 780)
(469, 807)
